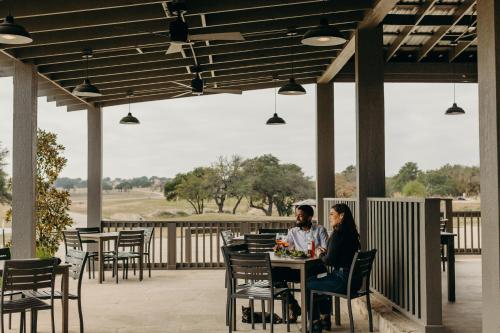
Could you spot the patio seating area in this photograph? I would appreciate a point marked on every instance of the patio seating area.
(112, 308)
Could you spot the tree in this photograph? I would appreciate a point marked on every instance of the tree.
(124, 186)
(170, 187)
(345, 182)
(439, 183)
(52, 204)
(414, 188)
(195, 188)
(407, 173)
(5, 196)
(294, 186)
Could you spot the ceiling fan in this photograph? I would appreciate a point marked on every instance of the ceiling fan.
(198, 87)
(179, 30)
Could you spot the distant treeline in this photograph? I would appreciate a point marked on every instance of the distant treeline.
(121, 184)
(448, 180)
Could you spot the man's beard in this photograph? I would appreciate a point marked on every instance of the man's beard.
(305, 224)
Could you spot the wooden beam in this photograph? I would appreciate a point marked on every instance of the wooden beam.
(460, 48)
(407, 31)
(457, 16)
(373, 18)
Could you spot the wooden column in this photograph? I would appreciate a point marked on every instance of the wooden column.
(94, 167)
(489, 142)
(370, 146)
(325, 148)
(24, 161)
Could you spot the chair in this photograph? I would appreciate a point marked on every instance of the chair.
(227, 236)
(25, 275)
(132, 239)
(237, 248)
(260, 243)
(255, 268)
(72, 240)
(444, 259)
(359, 275)
(6, 255)
(273, 231)
(77, 259)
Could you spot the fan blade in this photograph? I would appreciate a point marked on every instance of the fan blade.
(223, 91)
(182, 84)
(174, 48)
(218, 36)
(183, 94)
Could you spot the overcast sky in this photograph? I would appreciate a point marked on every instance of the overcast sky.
(178, 135)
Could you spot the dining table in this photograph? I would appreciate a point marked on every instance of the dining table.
(306, 267)
(448, 239)
(101, 238)
(63, 270)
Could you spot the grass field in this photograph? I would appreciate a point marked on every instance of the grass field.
(147, 205)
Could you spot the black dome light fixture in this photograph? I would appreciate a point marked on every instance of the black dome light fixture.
(86, 89)
(454, 109)
(129, 119)
(275, 119)
(292, 87)
(12, 33)
(323, 35)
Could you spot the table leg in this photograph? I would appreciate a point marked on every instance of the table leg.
(337, 310)
(450, 248)
(101, 260)
(303, 297)
(141, 264)
(65, 299)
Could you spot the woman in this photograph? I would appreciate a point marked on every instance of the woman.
(342, 244)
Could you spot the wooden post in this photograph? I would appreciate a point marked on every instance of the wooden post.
(24, 161)
(489, 143)
(448, 214)
(325, 148)
(370, 145)
(94, 167)
(172, 245)
(431, 268)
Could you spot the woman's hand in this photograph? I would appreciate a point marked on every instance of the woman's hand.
(320, 251)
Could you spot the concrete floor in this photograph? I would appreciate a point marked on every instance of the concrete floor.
(464, 315)
(194, 301)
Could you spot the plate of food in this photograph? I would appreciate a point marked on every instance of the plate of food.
(297, 254)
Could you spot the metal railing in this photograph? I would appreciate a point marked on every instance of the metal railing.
(467, 227)
(191, 244)
(406, 271)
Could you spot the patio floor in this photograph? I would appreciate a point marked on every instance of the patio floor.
(194, 301)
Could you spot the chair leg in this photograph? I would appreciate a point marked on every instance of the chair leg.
(10, 317)
(33, 321)
(263, 314)
(271, 315)
(252, 314)
(149, 265)
(80, 314)
(351, 320)
(369, 308)
(311, 309)
(90, 269)
(231, 320)
(116, 269)
(2, 329)
(22, 322)
(52, 319)
(228, 299)
(287, 315)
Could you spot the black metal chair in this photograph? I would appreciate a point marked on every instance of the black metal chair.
(273, 231)
(6, 255)
(27, 275)
(72, 240)
(260, 243)
(226, 249)
(77, 259)
(254, 268)
(131, 239)
(358, 285)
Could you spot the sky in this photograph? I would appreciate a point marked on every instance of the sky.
(177, 135)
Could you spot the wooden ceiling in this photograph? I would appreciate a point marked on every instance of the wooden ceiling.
(424, 40)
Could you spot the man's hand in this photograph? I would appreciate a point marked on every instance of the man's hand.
(320, 251)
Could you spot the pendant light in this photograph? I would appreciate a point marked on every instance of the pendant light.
(12, 33)
(129, 119)
(275, 119)
(86, 89)
(323, 35)
(291, 87)
(454, 109)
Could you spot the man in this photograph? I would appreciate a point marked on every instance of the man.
(305, 230)
(297, 239)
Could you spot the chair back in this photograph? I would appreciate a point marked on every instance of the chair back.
(148, 236)
(249, 266)
(273, 231)
(72, 240)
(227, 236)
(131, 238)
(28, 274)
(77, 259)
(89, 230)
(5, 253)
(260, 243)
(359, 274)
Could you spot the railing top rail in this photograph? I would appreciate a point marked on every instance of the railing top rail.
(416, 200)
(343, 199)
(198, 221)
